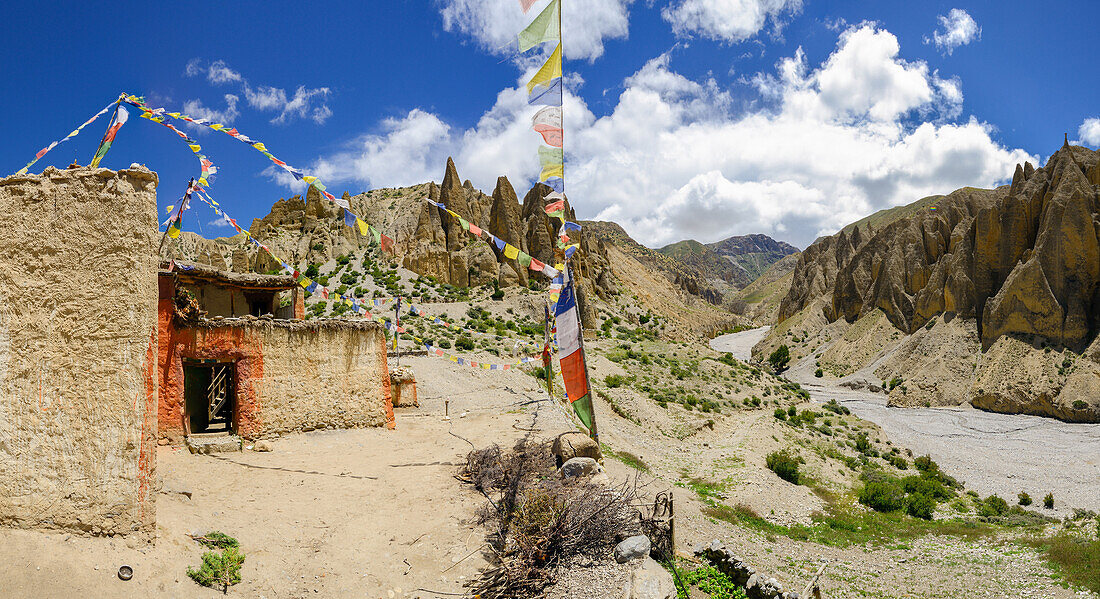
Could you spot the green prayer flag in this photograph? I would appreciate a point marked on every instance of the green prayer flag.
(524, 260)
(551, 156)
(583, 408)
(545, 28)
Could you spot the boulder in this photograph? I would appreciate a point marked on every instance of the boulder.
(650, 581)
(632, 548)
(574, 444)
(578, 467)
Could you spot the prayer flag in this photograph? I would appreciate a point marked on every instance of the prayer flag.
(547, 122)
(524, 260)
(510, 251)
(571, 355)
(551, 70)
(545, 28)
(363, 227)
(109, 137)
(556, 209)
(387, 243)
(546, 95)
(350, 219)
(552, 171)
(474, 229)
(555, 183)
(526, 4)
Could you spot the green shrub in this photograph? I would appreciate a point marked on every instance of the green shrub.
(614, 381)
(819, 373)
(465, 343)
(894, 382)
(780, 358)
(836, 408)
(863, 444)
(784, 465)
(1048, 501)
(920, 506)
(993, 506)
(712, 582)
(897, 462)
(444, 344)
(924, 463)
(1024, 499)
(313, 270)
(1079, 405)
(218, 568)
(882, 495)
(780, 413)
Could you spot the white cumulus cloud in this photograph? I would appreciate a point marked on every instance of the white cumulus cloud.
(1089, 132)
(956, 29)
(728, 20)
(822, 145)
(494, 24)
(225, 115)
(304, 103)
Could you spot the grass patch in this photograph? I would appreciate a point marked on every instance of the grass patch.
(1075, 559)
(625, 457)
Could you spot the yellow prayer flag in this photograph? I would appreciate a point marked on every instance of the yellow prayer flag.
(217, 126)
(510, 251)
(553, 170)
(550, 70)
(309, 180)
(260, 146)
(174, 115)
(196, 148)
(362, 226)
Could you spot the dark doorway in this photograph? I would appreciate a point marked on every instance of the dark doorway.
(208, 392)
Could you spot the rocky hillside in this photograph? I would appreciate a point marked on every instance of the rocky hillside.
(310, 230)
(737, 261)
(987, 296)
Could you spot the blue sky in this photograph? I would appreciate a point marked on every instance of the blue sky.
(685, 118)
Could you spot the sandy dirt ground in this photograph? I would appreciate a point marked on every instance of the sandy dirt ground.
(992, 453)
(337, 513)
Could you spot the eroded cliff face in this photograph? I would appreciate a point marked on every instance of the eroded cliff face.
(1023, 258)
(1021, 261)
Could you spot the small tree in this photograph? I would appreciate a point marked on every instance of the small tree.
(780, 358)
(1048, 501)
(1025, 499)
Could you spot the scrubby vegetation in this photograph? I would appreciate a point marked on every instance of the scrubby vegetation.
(220, 568)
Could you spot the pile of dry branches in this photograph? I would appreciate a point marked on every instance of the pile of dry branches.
(539, 521)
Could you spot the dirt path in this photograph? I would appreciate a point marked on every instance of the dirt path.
(993, 453)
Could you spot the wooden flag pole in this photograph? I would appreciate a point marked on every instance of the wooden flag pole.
(592, 432)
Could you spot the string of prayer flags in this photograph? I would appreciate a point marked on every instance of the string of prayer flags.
(510, 251)
(175, 225)
(545, 28)
(158, 115)
(120, 118)
(38, 156)
(527, 4)
(547, 123)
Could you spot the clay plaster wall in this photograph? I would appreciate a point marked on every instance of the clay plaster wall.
(291, 376)
(78, 336)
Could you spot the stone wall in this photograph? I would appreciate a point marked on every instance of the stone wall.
(78, 335)
(291, 376)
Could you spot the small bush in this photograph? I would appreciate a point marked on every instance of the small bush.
(993, 506)
(819, 373)
(882, 496)
(836, 408)
(218, 568)
(1048, 501)
(1079, 405)
(465, 343)
(712, 582)
(863, 444)
(921, 506)
(894, 382)
(614, 381)
(924, 463)
(780, 414)
(897, 462)
(780, 358)
(784, 465)
(1024, 499)
(313, 270)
